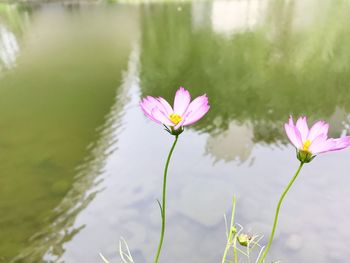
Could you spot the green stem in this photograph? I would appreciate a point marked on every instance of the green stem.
(232, 233)
(235, 255)
(162, 207)
(277, 212)
(226, 250)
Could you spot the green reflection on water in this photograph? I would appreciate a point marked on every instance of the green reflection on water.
(291, 62)
(63, 85)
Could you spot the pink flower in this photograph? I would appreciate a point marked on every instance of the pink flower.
(184, 112)
(310, 142)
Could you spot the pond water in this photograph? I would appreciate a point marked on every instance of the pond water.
(82, 167)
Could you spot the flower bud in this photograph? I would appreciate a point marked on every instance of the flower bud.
(233, 230)
(243, 239)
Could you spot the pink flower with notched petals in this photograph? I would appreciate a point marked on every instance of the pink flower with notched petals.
(310, 142)
(184, 112)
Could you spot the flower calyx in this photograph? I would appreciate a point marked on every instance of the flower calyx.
(305, 156)
(172, 131)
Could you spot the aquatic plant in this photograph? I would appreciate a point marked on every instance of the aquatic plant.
(240, 242)
(308, 144)
(174, 119)
(124, 252)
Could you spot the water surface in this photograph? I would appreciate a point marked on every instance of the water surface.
(81, 166)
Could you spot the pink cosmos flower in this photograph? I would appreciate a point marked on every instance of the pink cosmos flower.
(310, 142)
(183, 113)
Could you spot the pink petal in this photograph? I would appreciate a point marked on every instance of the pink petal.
(168, 109)
(156, 109)
(147, 107)
(341, 143)
(181, 101)
(157, 103)
(301, 125)
(161, 117)
(196, 110)
(196, 116)
(317, 129)
(292, 133)
(197, 103)
(321, 145)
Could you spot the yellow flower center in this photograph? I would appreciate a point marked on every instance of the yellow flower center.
(306, 145)
(175, 118)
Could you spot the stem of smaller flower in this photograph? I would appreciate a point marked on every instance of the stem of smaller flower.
(277, 212)
(162, 206)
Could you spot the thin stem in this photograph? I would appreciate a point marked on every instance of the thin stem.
(277, 212)
(226, 250)
(235, 255)
(162, 208)
(248, 251)
(232, 233)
